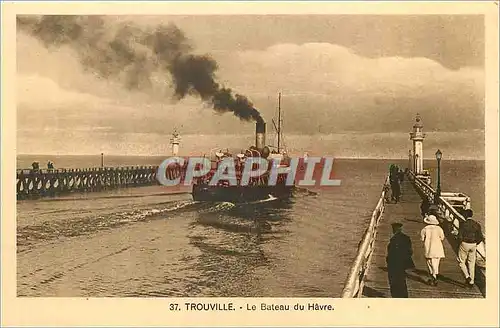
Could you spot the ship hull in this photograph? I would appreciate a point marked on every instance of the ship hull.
(240, 194)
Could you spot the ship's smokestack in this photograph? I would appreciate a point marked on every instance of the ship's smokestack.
(260, 135)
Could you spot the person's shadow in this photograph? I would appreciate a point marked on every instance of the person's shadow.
(370, 292)
(422, 276)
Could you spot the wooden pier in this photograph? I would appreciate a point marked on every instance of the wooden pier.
(451, 283)
(368, 275)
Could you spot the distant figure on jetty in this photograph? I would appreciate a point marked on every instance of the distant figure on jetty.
(401, 175)
(432, 235)
(387, 188)
(399, 259)
(50, 165)
(424, 207)
(469, 236)
(36, 166)
(394, 181)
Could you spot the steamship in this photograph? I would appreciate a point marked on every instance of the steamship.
(257, 189)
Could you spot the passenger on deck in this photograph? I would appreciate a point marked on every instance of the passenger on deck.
(399, 259)
(469, 236)
(432, 236)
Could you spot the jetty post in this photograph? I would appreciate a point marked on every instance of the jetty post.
(175, 141)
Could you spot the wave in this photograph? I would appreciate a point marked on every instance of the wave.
(218, 207)
(269, 199)
(305, 191)
(28, 236)
(50, 230)
(86, 196)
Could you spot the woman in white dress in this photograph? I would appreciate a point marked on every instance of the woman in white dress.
(432, 236)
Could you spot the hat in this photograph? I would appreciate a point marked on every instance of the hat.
(396, 225)
(468, 213)
(431, 219)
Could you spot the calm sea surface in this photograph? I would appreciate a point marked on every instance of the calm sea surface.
(144, 242)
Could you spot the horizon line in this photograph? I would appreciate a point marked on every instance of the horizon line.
(209, 133)
(198, 155)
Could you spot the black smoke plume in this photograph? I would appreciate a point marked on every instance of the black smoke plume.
(132, 54)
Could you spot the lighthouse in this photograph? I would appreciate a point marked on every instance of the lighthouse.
(175, 141)
(417, 137)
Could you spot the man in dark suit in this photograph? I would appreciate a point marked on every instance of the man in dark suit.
(399, 259)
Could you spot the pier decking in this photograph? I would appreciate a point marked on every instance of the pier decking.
(450, 285)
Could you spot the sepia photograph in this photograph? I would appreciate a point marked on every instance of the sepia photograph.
(320, 156)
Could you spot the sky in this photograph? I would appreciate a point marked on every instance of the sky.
(343, 79)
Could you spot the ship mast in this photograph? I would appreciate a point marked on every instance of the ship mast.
(279, 120)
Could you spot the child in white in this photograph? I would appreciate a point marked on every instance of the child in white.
(432, 236)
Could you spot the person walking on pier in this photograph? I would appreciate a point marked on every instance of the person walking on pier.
(469, 236)
(424, 207)
(433, 235)
(399, 259)
(387, 188)
(394, 181)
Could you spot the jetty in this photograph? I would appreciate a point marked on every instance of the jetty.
(368, 275)
(35, 182)
(50, 182)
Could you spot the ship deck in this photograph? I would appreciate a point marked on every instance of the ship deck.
(452, 283)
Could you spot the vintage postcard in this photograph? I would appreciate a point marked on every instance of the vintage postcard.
(238, 163)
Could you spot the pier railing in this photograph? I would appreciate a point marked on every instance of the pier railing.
(448, 205)
(355, 280)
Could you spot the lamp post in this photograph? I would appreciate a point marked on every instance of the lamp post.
(102, 159)
(409, 160)
(439, 155)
